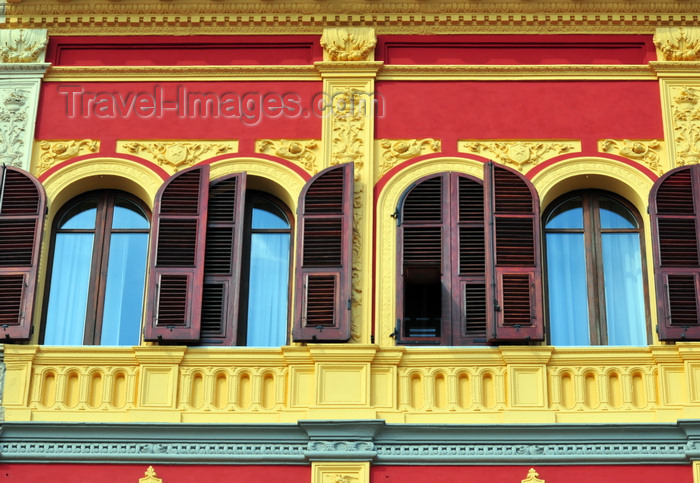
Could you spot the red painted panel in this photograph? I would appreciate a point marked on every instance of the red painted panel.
(170, 110)
(519, 110)
(197, 50)
(516, 49)
(515, 474)
(31, 473)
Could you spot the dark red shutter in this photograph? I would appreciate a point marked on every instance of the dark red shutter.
(513, 245)
(22, 208)
(422, 295)
(222, 260)
(177, 257)
(324, 257)
(674, 202)
(469, 318)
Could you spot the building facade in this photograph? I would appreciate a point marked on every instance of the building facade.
(338, 242)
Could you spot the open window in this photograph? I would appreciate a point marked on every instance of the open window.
(469, 269)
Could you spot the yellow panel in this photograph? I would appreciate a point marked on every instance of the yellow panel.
(342, 384)
(322, 472)
(161, 389)
(527, 384)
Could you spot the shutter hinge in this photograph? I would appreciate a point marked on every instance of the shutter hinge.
(517, 327)
(319, 328)
(395, 215)
(349, 303)
(170, 327)
(496, 306)
(395, 334)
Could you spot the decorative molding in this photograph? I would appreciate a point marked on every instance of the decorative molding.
(532, 477)
(521, 72)
(54, 152)
(14, 125)
(394, 151)
(340, 450)
(182, 73)
(176, 155)
(303, 152)
(357, 222)
(645, 152)
(521, 155)
(348, 44)
(349, 113)
(23, 46)
(150, 476)
(678, 43)
(685, 120)
(309, 16)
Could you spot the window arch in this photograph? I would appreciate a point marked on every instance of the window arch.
(97, 272)
(595, 271)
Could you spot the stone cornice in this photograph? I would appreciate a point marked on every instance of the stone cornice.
(362, 440)
(309, 16)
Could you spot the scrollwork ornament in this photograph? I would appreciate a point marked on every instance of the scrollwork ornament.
(13, 125)
(53, 152)
(355, 329)
(178, 154)
(348, 44)
(23, 45)
(646, 152)
(678, 43)
(395, 151)
(150, 476)
(686, 125)
(519, 154)
(300, 151)
(349, 112)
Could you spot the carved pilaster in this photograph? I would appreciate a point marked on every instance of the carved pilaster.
(682, 120)
(21, 70)
(677, 43)
(348, 132)
(521, 155)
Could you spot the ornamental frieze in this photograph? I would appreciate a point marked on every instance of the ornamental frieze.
(176, 155)
(645, 152)
(685, 121)
(521, 155)
(303, 152)
(23, 46)
(53, 152)
(394, 151)
(678, 43)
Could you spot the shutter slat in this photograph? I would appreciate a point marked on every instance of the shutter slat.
(475, 310)
(22, 206)
(323, 283)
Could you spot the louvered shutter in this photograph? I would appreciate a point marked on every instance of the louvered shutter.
(469, 286)
(324, 257)
(22, 208)
(222, 261)
(513, 245)
(177, 257)
(674, 202)
(422, 237)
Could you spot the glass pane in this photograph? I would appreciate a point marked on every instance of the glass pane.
(126, 275)
(65, 317)
(266, 214)
(568, 214)
(128, 214)
(269, 287)
(615, 215)
(81, 216)
(624, 293)
(568, 291)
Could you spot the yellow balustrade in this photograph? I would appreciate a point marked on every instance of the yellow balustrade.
(536, 384)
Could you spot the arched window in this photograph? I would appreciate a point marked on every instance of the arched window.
(595, 271)
(98, 269)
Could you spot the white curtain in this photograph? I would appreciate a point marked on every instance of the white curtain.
(269, 287)
(624, 293)
(567, 288)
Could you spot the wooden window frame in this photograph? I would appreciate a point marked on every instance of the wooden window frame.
(592, 231)
(97, 281)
